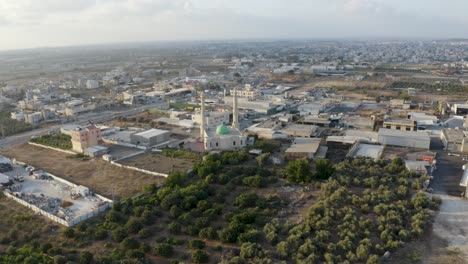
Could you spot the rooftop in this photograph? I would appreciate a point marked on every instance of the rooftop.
(453, 135)
(153, 132)
(399, 121)
(401, 133)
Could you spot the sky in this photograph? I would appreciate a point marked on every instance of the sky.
(50, 23)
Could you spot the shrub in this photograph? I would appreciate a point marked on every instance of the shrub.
(196, 244)
(199, 256)
(163, 250)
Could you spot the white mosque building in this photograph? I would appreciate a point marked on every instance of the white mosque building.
(221, 137)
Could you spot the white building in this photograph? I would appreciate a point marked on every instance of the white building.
(223, 137)
(212, 119)
(92, 84)
(401, 138)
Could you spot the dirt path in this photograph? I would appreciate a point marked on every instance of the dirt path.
(451, 223)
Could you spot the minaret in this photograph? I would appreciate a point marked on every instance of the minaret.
(235, 115)
(202, 112)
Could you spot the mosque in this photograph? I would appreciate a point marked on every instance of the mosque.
(221, 137)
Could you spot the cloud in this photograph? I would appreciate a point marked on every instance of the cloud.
(25, 23)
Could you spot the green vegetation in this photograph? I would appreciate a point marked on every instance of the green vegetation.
(9, 126)
(266, 146)
(446, 87)
(220, 213)
(181, 153)
(60, 141)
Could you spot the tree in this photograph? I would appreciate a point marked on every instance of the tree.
(250, 250)
(69, 232)
(199, 256)
(86, 257)
(196, 244)
(245, 200)
(129, 243)
(298, 171)
(163, 250)
(263, 159)
(324, 169)
(133, 226)
(119, 234)
(282, 249)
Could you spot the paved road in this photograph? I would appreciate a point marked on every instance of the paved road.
(82, 120)
(449, 171)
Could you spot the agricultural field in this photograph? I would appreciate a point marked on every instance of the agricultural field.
(60, 141)
(234, 208)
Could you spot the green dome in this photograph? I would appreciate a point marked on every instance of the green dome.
(222, 130)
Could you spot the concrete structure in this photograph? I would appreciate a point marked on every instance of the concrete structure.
(47, 194)
(460, 109)
(212, 119)
(454, 140)
(33, 118)
(401, 138)
(79, 109)
(419, 166)
(303, 148)
(150, 137)
(85, 137)
(297, 130)
(92, 84)
(366, 150)
(96, 151)
(400, 124)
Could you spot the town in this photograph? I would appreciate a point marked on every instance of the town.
(249, 152)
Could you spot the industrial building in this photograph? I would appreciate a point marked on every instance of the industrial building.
(303, 148)
(366, 150)
(297, 130)
(96, 151)
(400, 124)
(402, 138)
(460, 109)
(150, 137)
(454, 140)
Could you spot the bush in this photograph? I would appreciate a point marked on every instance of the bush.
(86, 257)
(69, 232)
(129, 243)
(199, 256)
(119, 234)
(196, 244)
(298, 171)
(163, 250)
(324, 169)
(254, 181)
(245, 200)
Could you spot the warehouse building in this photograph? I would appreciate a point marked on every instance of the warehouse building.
(150, 137)
(297, 130)
(308, 148)
(402, 138)
(400, 124)
(454, 140)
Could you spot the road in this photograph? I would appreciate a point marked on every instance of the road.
(82, 120)
(450, 222)
(449, 171)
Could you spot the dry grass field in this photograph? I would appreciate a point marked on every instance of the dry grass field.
(158, 163)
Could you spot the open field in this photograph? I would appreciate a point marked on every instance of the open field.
(158, 163)
(99, 176)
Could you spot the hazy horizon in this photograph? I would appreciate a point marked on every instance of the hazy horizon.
(26, 24)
